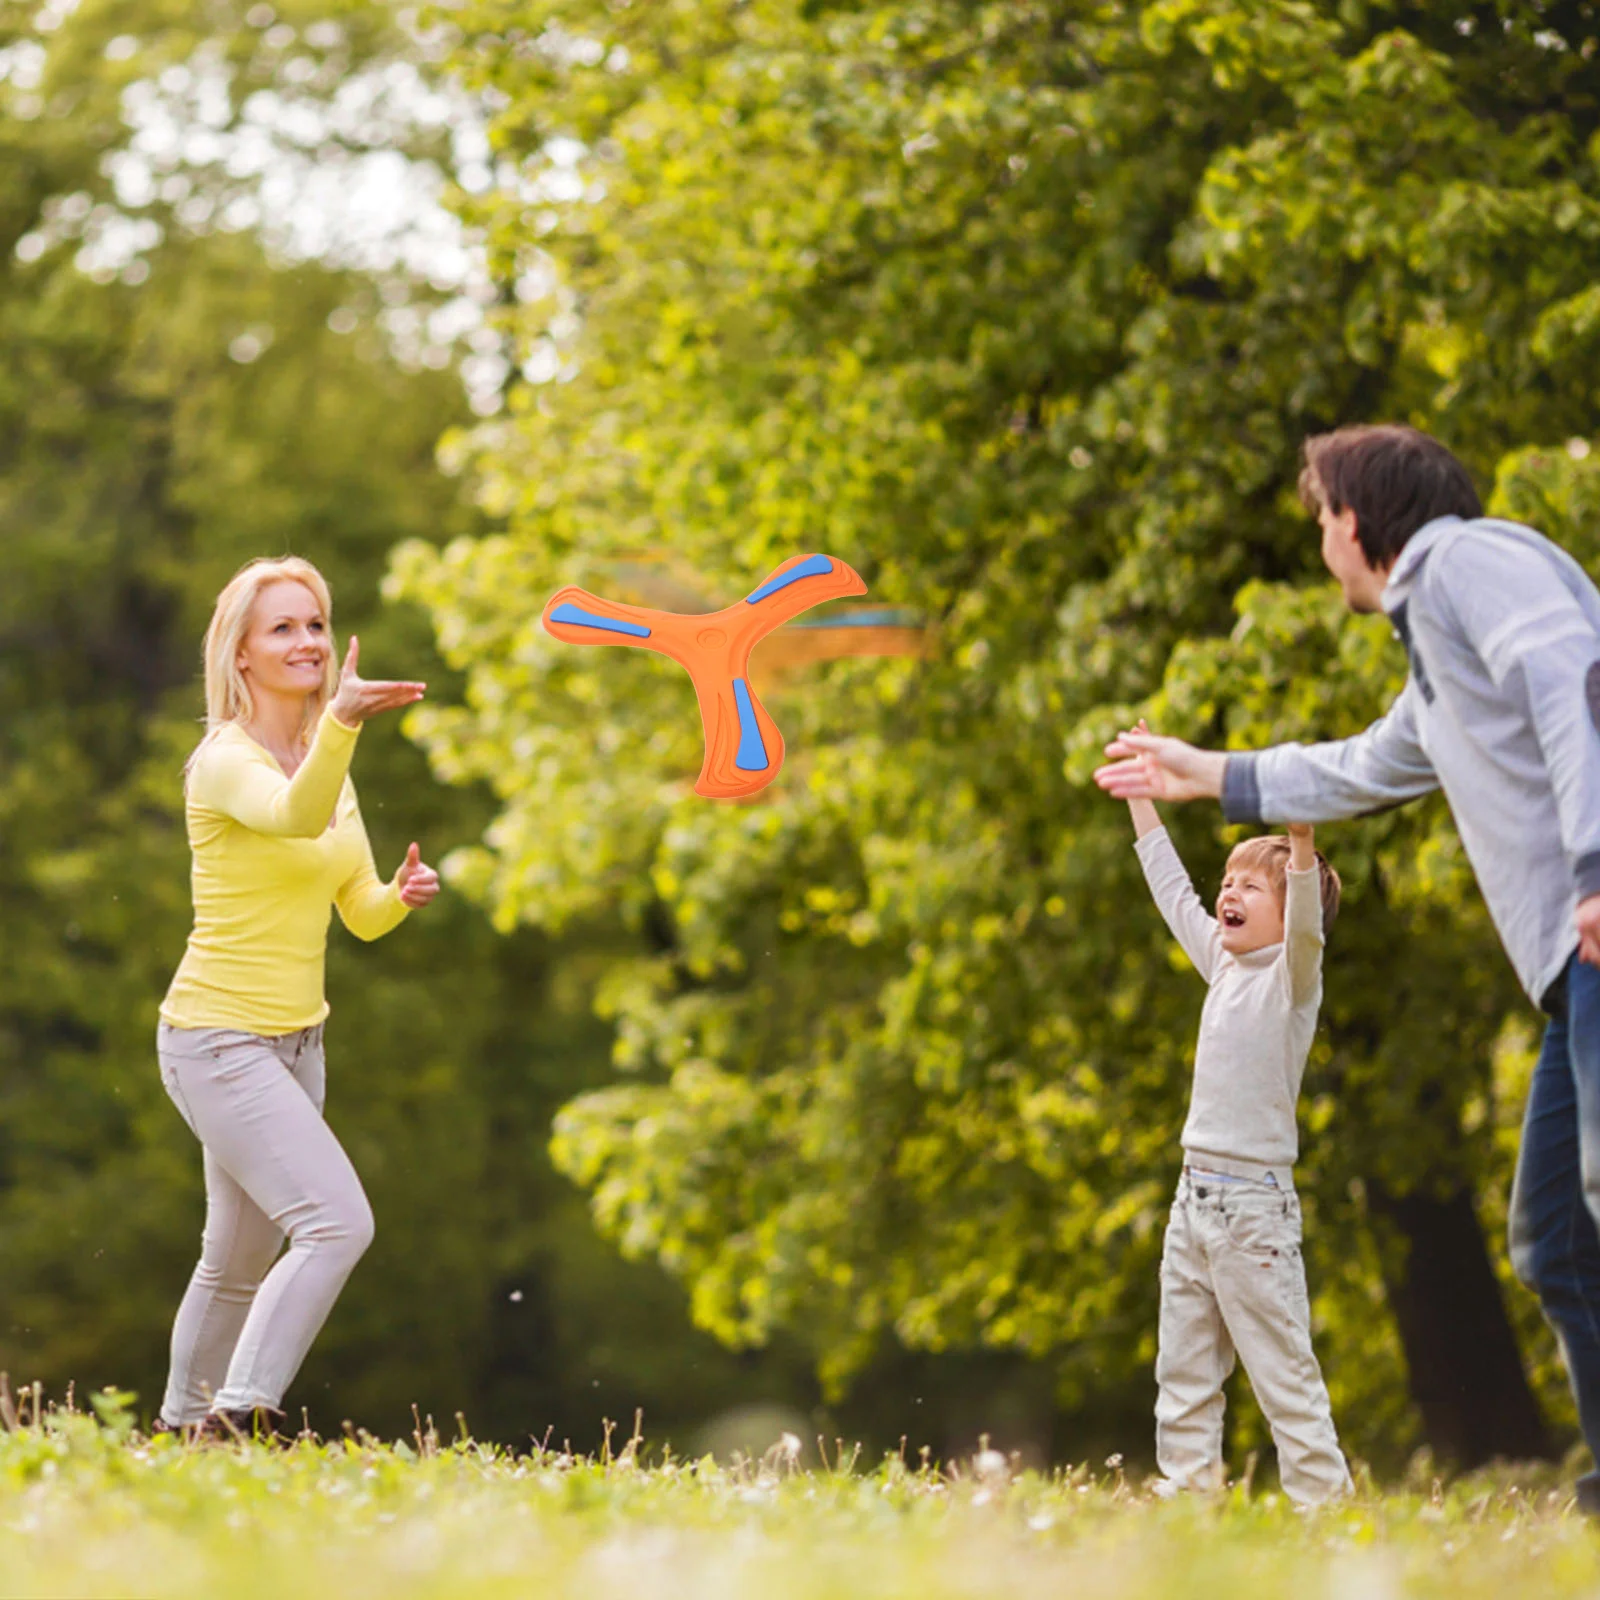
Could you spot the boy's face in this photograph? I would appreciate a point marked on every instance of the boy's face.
(1248, 910)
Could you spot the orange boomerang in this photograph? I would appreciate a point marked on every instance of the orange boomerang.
(744, 749)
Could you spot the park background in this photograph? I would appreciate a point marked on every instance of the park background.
(858, 1104)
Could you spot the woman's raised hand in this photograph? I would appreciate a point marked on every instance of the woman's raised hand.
(358, 698)
(418, 882)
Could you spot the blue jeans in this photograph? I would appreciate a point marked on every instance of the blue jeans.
(1555, 1245)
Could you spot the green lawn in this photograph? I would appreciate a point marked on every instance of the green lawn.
(87, 1510)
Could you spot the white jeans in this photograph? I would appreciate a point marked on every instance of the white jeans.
(273, 1168)
(1232, 1280)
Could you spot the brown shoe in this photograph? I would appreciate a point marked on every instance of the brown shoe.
(247, 1423)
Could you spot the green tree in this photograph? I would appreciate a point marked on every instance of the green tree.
(167, 412)
(1023, 309)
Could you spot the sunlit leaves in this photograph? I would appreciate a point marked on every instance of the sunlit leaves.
(1024, 311)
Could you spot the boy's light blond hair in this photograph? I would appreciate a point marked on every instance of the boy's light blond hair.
(1270, 853)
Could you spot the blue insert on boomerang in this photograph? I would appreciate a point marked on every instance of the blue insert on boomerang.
(567, 612)
(811, 567)
(752, 756)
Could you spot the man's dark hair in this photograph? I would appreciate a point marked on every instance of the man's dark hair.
(1394, 478)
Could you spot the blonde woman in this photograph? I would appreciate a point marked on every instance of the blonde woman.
(278, 841)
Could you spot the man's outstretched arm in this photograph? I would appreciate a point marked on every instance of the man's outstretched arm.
(1380, 767)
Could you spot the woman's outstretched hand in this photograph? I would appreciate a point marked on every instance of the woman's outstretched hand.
(417, 881)
(358, 698)
(1149, 766)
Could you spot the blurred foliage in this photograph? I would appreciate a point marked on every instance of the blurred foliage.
(1022, 308)
(200, 405)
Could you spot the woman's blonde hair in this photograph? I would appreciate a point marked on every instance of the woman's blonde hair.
(227, 693)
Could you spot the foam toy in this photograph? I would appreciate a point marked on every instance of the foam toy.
(650, 576)
(744, 750)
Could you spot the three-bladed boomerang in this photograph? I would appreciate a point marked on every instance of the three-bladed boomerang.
(744, 749)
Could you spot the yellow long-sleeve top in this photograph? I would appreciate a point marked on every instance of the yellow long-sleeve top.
(272, 857)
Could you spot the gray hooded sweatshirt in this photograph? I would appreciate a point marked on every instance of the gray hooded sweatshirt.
(1501, 710)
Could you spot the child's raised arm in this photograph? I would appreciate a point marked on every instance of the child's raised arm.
(1170, 886)
(1146, 819)
(1302, 846)
(1302, 915)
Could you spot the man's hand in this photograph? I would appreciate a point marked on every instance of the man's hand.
(1588, 920)
(1148, 766)
(418, 883)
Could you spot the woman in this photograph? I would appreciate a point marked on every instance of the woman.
(277, 840)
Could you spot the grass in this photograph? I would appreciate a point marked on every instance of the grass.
(88, 1507)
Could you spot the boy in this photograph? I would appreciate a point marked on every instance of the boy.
(1232, 1279)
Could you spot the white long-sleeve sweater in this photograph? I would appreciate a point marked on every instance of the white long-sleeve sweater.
(1258, 1019)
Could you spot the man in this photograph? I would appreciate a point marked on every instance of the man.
(1501, 710)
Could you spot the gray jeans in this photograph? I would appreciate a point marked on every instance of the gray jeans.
(273, 1170)
(1233, 1284)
